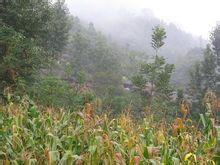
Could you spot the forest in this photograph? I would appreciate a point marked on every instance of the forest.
(132, 89)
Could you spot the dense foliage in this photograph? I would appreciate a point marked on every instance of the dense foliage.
(71, 95)
(31, 33)
(205, 74)
(30, 136)
(22, 58)
(89, 52)
(45, 22)
(153, 79)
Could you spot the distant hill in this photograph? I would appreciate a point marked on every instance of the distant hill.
(133, 31)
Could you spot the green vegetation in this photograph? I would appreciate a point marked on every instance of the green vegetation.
(71, 95)
(52, 136)
(154, 78)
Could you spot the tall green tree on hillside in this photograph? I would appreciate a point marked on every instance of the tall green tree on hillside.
(158, 36)
(33, 32)
(205, 76)
(154, 78)
(209, 69)
(46, 22)
(215, 40)
(22, 59)
(196, 88)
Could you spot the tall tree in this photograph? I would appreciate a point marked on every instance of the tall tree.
(208, 69)
(158, 36)
(215, 39)
(47, 23)
(205, 75)
(155, 77)
(30, 33)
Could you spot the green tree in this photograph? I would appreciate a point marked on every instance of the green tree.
(203, 77)
(31, 33)
(154, 77)
(215, 40)
(90, 52)
(158, 36)
(208, 69)
(47, 23)
(196, 88)
(23, 58)
(196, 79)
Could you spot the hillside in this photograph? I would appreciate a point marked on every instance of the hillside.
(105, 87)
(132, 32)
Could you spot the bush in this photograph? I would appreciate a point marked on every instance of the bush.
(53, 92)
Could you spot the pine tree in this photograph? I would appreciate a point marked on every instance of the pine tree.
(158, 36)
(155, 77)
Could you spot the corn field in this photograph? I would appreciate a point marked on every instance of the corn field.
(49, 136)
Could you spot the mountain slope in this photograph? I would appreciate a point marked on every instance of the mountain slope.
(133, 31)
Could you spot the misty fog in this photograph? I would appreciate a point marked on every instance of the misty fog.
(110, 82)
(131, 27)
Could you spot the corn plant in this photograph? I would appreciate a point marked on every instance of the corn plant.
(49, 136)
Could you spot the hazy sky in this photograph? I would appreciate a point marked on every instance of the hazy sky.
(195, 16)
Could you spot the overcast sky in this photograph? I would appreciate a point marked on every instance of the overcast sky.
(195, 16)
